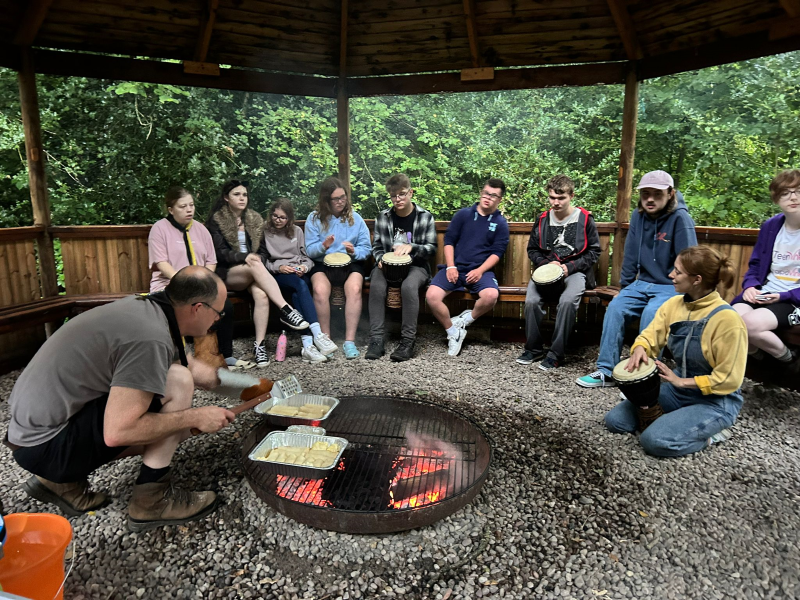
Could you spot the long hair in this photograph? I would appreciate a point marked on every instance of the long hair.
(220, 201)
(324, 211)
(712, 266)
(286, 206)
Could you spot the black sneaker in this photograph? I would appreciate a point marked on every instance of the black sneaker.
(293, 319)
(530, 356)
(548, 364)
(262, 357)
(375, 349)
(404, 350)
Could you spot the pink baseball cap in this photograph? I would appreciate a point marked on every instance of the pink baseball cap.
(660, 180)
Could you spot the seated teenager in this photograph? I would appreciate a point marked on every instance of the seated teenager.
(335, 228)
(284, 253)
(770, 301)
(237, 232)
(565, 236)
(406, 229)
(474, 243)
(700, 399)
(179, 241)
(660, 228)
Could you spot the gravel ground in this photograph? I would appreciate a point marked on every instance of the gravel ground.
(569, 510)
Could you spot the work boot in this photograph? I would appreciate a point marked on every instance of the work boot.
(646, 416)
(375, 349)
(404, 350)
(160, 503)
(73, 498)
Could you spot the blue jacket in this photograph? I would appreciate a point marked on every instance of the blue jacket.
(357, 234)
(652, 245)
(475, 237)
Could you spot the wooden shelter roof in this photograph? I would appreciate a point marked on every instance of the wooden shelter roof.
(360, 38)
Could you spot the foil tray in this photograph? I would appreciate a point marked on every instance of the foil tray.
(297, 400)
(306, 429)
(276, 439)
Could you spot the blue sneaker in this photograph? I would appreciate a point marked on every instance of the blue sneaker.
(350, 350)
(596, 379)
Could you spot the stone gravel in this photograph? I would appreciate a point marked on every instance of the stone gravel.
(569, 510)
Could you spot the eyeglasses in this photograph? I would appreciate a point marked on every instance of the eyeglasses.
(280, 217)
(219, 314)
(399, 195)
(786, 194)
(494, 197)
(341, 198)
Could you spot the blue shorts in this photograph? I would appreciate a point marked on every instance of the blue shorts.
(487, 280)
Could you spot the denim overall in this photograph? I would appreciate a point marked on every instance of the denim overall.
(690, 416)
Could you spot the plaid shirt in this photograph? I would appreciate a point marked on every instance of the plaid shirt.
(423, 237)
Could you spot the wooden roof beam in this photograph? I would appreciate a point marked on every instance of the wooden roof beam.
(472, 33)
(792, 7)
(206, 28)
(625, 27)
(32, 21)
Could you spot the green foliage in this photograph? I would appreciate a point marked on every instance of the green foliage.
(113, 148)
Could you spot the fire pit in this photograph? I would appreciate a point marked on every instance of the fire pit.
(409, 463)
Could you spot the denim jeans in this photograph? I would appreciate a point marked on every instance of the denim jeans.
(301, 295)
(689, 419)
(640, 299)
(568, 304)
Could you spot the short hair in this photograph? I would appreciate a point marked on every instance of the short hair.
(561, 184)
(707, 262)
(496, 183)
(783, 181)
(191, 285)
(397, 182)
(174, 194)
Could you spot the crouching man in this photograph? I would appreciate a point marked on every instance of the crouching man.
(107, 385)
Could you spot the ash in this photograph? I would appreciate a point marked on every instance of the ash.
(569, 509)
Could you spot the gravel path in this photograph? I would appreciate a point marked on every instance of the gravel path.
(569, 510)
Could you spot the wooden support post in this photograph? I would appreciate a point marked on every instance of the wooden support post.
(630, 116)
(206, 28)
(472, 33)
(37, 178)
(343, 105)
(627, 33)
(792, 7)
(31, 22)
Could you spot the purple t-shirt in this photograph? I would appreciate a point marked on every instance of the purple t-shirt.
(165, 244)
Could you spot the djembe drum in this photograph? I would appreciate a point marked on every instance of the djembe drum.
(641, 387)
(395, 270)
(337, 268)
(549, 280)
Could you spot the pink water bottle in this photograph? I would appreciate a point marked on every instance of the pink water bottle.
(280, 351)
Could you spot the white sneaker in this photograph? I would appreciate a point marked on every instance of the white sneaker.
(454, 342)
(312, 355)
(459, 321)
(324, 344)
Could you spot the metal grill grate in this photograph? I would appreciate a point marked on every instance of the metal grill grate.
(382, 477)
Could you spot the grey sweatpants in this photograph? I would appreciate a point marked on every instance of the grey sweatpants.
(409, 290)
(565, 317)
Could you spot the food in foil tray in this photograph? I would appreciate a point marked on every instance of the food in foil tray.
(307, 411)
(321, 455)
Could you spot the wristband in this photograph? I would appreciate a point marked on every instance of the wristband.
(448, 268)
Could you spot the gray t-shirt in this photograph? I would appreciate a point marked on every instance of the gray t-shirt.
(125, 344)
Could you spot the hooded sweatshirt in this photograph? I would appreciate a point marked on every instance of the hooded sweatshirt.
(652, 245)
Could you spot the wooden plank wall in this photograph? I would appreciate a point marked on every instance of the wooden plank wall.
(19, 283)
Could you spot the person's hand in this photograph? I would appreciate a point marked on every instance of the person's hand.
(474, 276)
(750, 294)
(380, 264)
(668, 374)
(638, 357)
(301, 270)
(768, 299)
(210, 419)
(563, 267)
(452, 275)
(402, 249)
(286, 270)
(328, 241)
(349, 248)
(252, 260)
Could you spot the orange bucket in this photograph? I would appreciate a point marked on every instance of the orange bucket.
(33, 565)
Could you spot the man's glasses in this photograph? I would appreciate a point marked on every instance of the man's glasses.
(493, 197)
(399, 195)
(786, 194)
(341, 198)
(219, 314)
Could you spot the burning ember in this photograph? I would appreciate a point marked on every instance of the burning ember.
(423, 472)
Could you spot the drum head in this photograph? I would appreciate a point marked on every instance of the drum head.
(392, 259)
(642, 371)
(337, 259)
(547, 274)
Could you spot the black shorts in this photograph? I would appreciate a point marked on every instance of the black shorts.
(781, 310)
(78, 449)
(357, 266)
